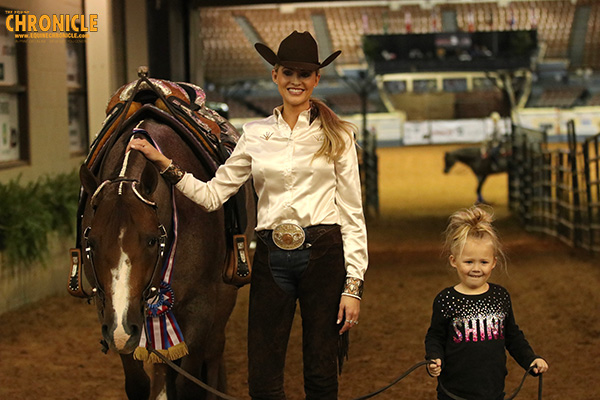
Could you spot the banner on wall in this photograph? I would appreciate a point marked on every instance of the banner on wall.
(453, 131)
(387, 128)
(554, 122)
(390, 130)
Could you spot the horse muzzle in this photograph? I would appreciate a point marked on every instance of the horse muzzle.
(121, 338)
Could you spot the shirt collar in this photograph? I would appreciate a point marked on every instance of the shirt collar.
(306, 117)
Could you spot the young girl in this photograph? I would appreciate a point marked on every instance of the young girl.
(473, 321)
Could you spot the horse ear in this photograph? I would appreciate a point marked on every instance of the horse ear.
(89, 182)
(149, 179)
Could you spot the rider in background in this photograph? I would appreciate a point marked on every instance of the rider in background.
(491, 147)
(312, 246)
(473, 322)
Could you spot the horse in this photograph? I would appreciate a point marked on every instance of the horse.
(481, 166)
(129, 221)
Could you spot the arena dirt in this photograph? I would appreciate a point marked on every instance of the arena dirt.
(51, 350)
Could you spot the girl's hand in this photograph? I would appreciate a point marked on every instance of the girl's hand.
(348, 312)
(540, 364)
(435, 369)
(149, 152)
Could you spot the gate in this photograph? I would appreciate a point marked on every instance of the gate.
(557, 191)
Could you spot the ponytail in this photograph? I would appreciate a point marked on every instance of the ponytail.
(335, 130)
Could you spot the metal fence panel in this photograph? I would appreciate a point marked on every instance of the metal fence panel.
(557, 191)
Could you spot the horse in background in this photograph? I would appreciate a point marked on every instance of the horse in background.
(129, 221)
(481, 166)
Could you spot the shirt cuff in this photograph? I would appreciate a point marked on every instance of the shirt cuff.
(173, 173)
(353, 288)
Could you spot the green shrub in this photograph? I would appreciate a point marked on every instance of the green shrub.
(29, 212)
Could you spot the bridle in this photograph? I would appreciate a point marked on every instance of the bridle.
(149, 291)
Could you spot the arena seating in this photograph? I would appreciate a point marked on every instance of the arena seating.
(227, 49)
(594, 100)
(560, 97)
(229, 56)
(592, 39)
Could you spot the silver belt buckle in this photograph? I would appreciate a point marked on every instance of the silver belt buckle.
(288, 236)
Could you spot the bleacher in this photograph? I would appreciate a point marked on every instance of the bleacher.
(592, 39)
(594, 100)
(228, 51)
(560, 97)
(229, 57)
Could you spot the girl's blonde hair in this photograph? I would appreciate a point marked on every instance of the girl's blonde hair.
(335, 130)
(474, 222)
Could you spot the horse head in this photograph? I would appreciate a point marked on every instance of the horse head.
(449, 162)
(125, 241)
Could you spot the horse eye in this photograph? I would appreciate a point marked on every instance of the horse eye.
(152, 242)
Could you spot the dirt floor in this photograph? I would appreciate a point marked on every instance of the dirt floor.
(50, 350)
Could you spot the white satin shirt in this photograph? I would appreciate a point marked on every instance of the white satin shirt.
(290, 184)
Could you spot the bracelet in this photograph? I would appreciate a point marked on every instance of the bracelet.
(173, 173)
(353, 287)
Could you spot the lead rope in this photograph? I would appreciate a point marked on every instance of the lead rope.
(367, 396)
(181, 371)
(511, 397)
(452, 396)
(398, 379)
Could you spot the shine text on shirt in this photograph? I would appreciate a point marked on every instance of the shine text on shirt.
(490, 327)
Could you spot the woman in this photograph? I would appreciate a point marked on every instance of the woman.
(313, 243)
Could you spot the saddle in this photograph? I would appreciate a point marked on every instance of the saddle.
(210, 137)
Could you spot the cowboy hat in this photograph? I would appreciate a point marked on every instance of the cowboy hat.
(298, 51)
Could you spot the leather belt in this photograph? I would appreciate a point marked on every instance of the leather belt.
(290, 236)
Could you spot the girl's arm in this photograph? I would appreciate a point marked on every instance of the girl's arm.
(516, 343)
(436, 337)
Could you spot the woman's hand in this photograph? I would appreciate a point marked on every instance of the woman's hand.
(348, 312)
(540, 366)
(149, 152)
(435, 369)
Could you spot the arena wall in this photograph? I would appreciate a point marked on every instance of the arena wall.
(112, 55)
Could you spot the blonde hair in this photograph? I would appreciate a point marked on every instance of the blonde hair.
(473, 222)
(335, 130)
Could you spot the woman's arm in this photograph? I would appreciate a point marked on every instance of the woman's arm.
(348, 199)
(212, 194)
(150, 152)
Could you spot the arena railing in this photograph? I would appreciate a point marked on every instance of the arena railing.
(556, 191)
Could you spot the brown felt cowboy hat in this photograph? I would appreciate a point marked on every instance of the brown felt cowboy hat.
(298, 51)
